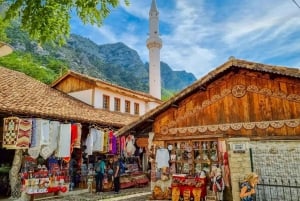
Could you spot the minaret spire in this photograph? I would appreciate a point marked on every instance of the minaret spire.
(154, 44)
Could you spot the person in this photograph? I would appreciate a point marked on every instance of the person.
(116, 174)
(72, 172)
(248, 187)
(100, 170)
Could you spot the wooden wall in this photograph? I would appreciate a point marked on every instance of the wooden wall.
(237, 97)
(71, 84)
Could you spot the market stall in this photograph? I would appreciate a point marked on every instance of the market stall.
(185, 169)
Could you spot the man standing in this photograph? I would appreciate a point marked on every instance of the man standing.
(100, 170)
(116, 169)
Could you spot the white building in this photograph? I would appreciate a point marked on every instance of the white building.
(104, 95)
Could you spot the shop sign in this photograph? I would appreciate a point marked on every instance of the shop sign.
(238, 148)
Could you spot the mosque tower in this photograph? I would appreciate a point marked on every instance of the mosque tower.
(154, 43)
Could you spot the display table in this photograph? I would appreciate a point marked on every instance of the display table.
(137, 179)
(33, 192)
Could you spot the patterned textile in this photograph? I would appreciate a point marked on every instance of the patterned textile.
(46, 152)
(10, 132)
(49, 138)
(16, 133)
(24, 134)
(34, 152)
(64, 141)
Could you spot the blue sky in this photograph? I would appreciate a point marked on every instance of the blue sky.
(200, 35)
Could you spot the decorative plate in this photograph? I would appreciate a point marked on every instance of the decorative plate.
(170, 147)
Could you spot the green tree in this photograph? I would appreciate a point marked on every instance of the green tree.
(49, 20)
(3, 26)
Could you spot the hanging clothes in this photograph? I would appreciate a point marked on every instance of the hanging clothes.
(96, 139)
(106, 142)
(122, 143)
(89, 144)
(77, 142)
(74, 135)
(101, 138)
(114, 144)
(64, 141)
(48, 149)
(54, 128)
(130, 148)
(44, 131)
(110, 138)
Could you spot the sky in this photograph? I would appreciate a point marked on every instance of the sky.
(200, 35)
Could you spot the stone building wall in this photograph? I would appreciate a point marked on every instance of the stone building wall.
(270, 159)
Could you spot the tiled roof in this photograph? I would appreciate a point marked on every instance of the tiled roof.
(22, 95)
(233, 63)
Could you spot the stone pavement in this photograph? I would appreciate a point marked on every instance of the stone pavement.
(126, 194)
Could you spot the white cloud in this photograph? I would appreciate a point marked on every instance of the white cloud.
(203, 34)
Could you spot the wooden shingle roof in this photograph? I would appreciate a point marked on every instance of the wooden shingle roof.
(202, 82)
(22, 95)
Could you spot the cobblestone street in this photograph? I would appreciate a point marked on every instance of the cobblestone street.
(131, 194)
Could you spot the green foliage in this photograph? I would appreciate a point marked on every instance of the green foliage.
(3, 26)
(43, 69)
(167, 94)
(49, 20)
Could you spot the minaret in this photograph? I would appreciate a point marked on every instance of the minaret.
(154, 43)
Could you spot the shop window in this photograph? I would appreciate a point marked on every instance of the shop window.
(105, 102)
(191, 157)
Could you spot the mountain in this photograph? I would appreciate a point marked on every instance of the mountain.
(116, 63)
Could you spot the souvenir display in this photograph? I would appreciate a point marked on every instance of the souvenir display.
(190, 165)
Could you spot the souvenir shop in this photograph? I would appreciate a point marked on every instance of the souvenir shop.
(57, 157)
(50, 156)
(132, 156)
(186, 169)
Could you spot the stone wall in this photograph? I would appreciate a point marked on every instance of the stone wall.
(239, 164)
(269, 157)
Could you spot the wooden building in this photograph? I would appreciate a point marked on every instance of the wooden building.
(24, 97)
(105, 95)
(241, 117)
